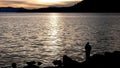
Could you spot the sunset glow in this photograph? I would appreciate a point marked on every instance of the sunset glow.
(50, 1)
(36, 3)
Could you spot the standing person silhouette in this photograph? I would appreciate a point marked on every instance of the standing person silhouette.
(87, 50)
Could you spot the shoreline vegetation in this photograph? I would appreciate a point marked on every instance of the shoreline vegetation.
(106, 60)
(86, 6)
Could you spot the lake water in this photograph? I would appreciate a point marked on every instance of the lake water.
(48, 36)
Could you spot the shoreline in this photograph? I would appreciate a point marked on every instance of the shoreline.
(108, 59)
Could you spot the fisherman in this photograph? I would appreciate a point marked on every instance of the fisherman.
(88, 50)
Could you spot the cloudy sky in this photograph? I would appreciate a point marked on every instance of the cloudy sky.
(36, 3)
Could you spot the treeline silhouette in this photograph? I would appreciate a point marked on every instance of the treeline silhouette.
(84, 6)
(106, 60)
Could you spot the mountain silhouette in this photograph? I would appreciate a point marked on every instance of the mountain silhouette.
(97, 6)
(11, 9)
(84, 6)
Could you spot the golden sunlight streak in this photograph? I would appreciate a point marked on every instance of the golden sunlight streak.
(53, 33)
(56, 1)
(50, 0)
(53, 28)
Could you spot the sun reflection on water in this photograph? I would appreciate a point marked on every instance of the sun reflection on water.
(53, 33)
(54, 28)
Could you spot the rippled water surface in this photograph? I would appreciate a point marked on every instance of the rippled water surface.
(48, 36)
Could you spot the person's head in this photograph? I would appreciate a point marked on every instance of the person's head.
(87, 42)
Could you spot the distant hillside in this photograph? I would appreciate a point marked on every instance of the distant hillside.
(10, 9)
(97, 6)
(84, 6)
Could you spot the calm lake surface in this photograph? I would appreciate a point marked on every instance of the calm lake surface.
(48, 36)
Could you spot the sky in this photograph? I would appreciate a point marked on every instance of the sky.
(37, 3)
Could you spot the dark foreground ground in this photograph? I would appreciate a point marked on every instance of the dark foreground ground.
(106, 60)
